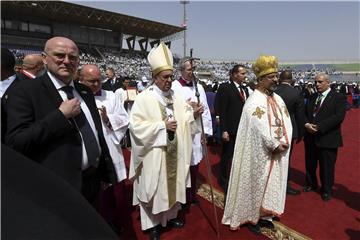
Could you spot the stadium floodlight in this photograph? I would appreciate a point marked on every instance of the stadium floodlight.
(184, 24)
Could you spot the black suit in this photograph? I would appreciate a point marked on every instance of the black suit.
(295, 105)
(323, 144)
(39, 130)
(229, 105)
(112, 86)
(3, 113)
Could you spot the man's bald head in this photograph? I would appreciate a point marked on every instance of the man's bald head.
(33, 63)
(61, 57)
(59, 41)
(90, 69)
(90, 76)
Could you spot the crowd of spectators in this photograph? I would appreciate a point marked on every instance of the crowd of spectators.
(134, 65)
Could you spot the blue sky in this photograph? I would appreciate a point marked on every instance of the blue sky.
(239, 30)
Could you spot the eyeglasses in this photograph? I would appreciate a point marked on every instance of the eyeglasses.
(60, 57)
(167, 77)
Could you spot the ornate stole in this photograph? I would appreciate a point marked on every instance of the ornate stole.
(278, 125)
(171, 159)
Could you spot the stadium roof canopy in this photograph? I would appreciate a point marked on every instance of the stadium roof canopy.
(86, 16)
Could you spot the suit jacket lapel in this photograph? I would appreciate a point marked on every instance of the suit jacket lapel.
(51, 90)
(326, 101)
(235, 90)
(311, 104)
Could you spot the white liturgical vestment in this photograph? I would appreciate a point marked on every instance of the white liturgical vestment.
(189, 93)
(115, 130)
(160, 181)
(258, 178)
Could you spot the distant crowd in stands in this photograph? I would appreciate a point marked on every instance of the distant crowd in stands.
(134, 65)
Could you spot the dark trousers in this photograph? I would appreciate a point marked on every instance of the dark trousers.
(191, 192)
(225, 161)
(90, 187)
(113, 205)
(326, 158)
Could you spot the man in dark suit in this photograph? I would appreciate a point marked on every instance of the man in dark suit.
(324, 114)
(230, 99)
(112, 82)
(8, 79)
(295, 105)
(55, 122)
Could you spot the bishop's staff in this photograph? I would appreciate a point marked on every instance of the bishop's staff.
(203, 141)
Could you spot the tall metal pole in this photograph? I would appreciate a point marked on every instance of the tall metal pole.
(184, 24)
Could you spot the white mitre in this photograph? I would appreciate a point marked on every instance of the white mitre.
(160, 59)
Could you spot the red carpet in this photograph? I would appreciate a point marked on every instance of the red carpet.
(199, 222)
(339, 218)
(306, 214)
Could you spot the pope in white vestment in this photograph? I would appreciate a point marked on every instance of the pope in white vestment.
(257, 184)
(161, 124)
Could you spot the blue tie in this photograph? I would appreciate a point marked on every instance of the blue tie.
(81, 123)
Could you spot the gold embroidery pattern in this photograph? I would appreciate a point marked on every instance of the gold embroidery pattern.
(258, 112)
(171, 164)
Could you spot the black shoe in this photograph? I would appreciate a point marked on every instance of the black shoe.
(254, 228)
(292, 191)
(309, 189)
(154, 233)
(176, 223)
(326, 197)
(275, 218)
(266, 224)
(184, 206)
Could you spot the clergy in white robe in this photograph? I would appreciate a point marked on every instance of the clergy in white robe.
(114, 127)
(257, 184)
(186, 88)
(161, 124)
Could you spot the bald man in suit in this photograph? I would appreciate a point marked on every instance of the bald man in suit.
(60, 130)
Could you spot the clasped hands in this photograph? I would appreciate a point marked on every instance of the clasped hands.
(311, 128)
(281, 148)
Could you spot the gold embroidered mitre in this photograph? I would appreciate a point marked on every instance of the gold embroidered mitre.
(160, 59)
(265, 65)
